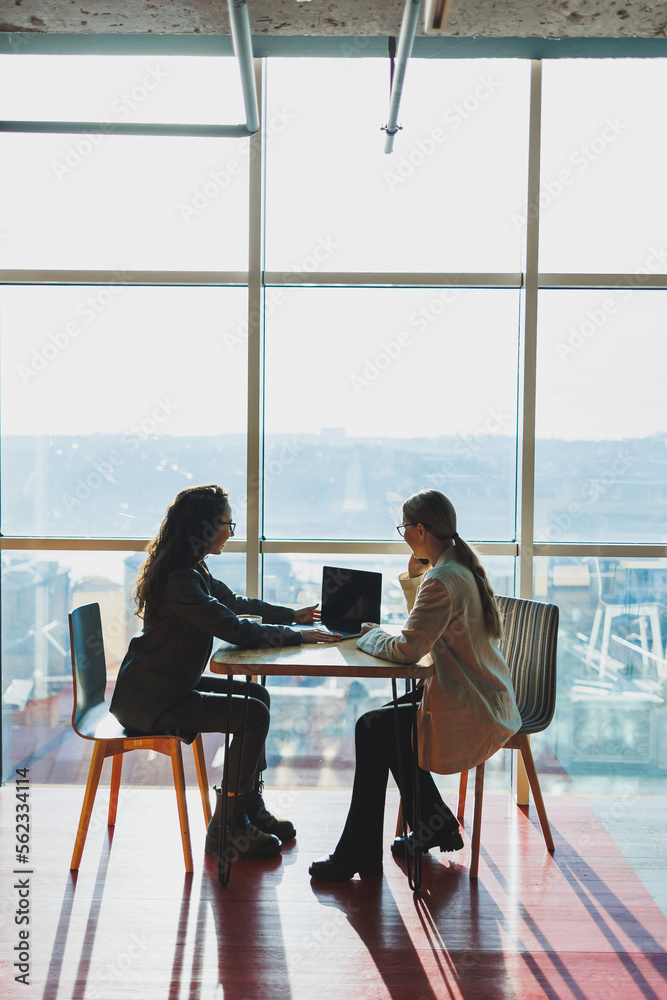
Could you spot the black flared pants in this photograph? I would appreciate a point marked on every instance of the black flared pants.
(376, 755)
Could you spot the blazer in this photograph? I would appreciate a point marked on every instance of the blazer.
(468, 709)
(165, 661)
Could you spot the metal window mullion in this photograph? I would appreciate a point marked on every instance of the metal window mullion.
(527, 383)
(606, 550)
(119, 277)
(528, 354)
(601, 281)
(254, 490)
(391, 279)
(63, 543)
(338, 546)
(582, 550)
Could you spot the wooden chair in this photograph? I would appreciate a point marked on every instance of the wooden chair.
(530, 632)
(92, 720)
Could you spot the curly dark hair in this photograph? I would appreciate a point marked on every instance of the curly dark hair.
(191, 523)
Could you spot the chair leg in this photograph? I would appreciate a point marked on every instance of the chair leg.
(99, 754)
(529, 764)
(116, 770)
(179, 785)
(399, 820)
(477, 820)
(463, 788)
(202, 777)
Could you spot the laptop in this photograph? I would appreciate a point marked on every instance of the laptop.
(349, 598)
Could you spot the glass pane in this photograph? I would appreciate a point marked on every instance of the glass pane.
(604, 157)
(416, 388)
(39, 589)
(311, 739)
(601, 422)
(123, 202)
(442, 201)
(109, 405)
(112, 89)
(611, 720)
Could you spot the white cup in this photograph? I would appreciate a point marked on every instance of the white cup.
(257, 619)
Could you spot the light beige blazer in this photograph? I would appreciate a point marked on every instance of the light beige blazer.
(468, 710)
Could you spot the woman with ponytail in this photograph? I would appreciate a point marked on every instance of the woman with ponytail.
(467, 710)
(161, 686)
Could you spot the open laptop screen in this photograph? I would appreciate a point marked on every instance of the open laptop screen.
(349, 598)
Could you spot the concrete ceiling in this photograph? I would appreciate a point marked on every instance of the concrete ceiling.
(468, 18)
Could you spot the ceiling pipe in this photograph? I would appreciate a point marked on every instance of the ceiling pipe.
(242, 41)
(406, 38)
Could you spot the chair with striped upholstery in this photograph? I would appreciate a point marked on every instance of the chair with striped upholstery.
(530, 631)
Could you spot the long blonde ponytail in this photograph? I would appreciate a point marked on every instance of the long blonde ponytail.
(436, 512)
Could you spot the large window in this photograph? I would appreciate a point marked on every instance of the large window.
(115, 398)
(324, 329)
(383, 378)
(443, 202)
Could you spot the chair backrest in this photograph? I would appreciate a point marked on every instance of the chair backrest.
(530, 633)
(89, 668)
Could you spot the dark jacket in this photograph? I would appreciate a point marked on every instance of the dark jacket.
(165, 661)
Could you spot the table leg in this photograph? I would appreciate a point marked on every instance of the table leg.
(417, 878)
(225, 848)
(413, 859)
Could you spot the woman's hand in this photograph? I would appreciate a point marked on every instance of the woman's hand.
(319, 635)
(306, 616)
(416, 567)
(367, 626)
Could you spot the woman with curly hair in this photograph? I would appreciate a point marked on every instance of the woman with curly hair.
(161, 686)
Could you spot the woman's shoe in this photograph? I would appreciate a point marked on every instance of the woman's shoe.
(245, 841)
(333, 869)
(447, 840)
(260, 816)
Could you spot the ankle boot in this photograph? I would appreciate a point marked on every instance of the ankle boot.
(449, 839)
(260, 816)
(245, 841)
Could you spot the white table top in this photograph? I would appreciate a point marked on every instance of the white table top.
(336, 659)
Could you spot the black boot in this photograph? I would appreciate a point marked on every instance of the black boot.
(260, 816)
(449, 839)
(337, 869)
(246, 841)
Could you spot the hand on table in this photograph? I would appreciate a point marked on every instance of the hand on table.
(367, 626)
(306, 616)
(319, 635)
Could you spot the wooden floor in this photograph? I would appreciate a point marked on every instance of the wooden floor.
(578, 925)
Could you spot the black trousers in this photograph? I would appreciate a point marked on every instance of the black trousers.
(204, 710)
(376, 755)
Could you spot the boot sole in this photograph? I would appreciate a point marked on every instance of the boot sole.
(212, 849)
(455, 843)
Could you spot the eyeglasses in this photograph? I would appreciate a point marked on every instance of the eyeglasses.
(232, 525)
(400, 528)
